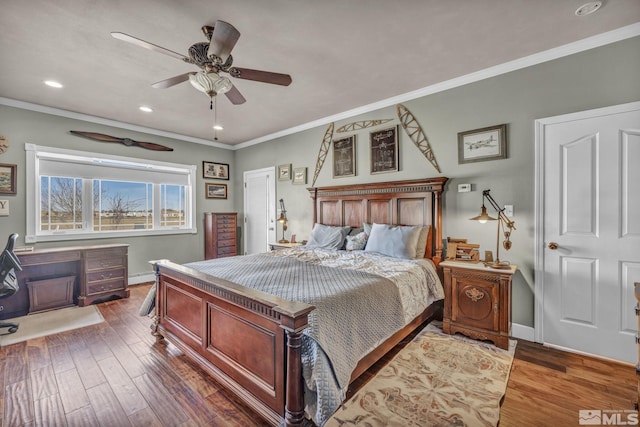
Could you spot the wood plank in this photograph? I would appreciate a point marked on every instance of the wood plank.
(145, 417)
(161, 401)
(60, 357)
(106, 406)
(43, 381)
(122, 385)
(72, 392)
(82, 417)
(49, 411)
(90, 373)
(38, 353)
(18, 408)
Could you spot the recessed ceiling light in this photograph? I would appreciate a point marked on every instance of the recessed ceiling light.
(218, 127)
(588, 8)
(146, 109)
(53, 83)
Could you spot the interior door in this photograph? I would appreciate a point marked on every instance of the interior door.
(588, 231)
(259, 210)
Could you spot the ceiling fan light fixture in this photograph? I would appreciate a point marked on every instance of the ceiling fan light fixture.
(218, 127)
(146, 109)
(53, 83)
(210, 83)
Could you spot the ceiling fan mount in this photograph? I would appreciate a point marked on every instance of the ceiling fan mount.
(212, 57)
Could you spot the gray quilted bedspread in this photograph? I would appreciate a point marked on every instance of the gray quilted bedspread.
(361, 298)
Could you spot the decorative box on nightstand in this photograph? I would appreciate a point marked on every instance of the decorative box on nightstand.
(477, 301)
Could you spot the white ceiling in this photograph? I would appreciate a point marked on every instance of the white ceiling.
(341, 54)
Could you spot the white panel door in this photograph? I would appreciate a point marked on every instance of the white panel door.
(259, 210)
(589, 212)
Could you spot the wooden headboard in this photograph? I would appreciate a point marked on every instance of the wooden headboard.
(415, 202)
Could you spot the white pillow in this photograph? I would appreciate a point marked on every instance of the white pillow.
(357, 242)
(396, 241)
(327, 237)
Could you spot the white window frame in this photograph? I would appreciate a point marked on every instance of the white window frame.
(37, 153)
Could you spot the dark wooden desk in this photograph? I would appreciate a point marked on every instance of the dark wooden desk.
(100, 271)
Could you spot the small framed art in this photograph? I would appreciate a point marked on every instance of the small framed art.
(384, 150)
(300, 176)
(8, 179)
(215, 191)
(215, 170)
(344, 157)
(284, 172)
(478, 145)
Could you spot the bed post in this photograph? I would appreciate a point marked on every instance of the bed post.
(293, 324)
(437, 257)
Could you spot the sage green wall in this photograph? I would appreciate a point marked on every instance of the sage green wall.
(23, 126)
(596, 78)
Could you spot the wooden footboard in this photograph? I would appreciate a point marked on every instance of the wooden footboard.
(247, 340)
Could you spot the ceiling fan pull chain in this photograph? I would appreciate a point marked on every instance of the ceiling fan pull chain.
(211, 104)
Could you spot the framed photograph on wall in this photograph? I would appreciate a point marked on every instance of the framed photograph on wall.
(344, 157)
(215, 170)
(478, 145)
(300, 176)
(8, 179)
(284, 172)
(215, 191)
(384, 150)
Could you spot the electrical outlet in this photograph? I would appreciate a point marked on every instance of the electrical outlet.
(508, 210)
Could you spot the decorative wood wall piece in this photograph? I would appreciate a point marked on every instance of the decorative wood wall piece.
(361, 125)
(414, 131)
(322, 154)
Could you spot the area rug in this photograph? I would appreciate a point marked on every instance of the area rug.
(436, 380)
(51, 322)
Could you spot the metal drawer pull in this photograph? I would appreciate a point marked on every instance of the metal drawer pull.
(474, 294)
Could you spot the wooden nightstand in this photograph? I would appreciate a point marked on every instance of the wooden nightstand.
(275, 246)
(477, 301)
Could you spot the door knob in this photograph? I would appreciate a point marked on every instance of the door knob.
(553, 246)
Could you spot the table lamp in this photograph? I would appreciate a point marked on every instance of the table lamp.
(504, 224)
(283, 219)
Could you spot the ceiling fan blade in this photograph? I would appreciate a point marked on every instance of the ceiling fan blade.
(147, 45)
(152, 146)
(96, 136)
(235, 96)
(223, 39)
(261, 76)
(172, 81)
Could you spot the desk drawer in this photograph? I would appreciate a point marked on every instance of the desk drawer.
(27, 259)
(102, 263)
(115, 273)
(106, 286)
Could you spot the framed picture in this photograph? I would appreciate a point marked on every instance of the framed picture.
(215, 191)
(215, 170)
(8, 179)
(482, 144)
(300, 176)
(384, 150)
(344, 157)
(284, 172)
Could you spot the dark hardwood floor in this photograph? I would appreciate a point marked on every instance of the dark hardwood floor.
(114, 374)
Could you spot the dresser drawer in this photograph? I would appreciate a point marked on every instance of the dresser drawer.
(102, 263)
(226, 236)
(106, 286)
(114, 273)
(226, 242)
(225, 219)
(227, 251)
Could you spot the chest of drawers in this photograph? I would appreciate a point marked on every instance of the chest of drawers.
(220, 234)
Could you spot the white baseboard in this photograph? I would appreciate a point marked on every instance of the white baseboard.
(522, 332)
(136, 279)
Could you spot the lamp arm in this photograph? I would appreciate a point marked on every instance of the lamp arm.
(509, 223)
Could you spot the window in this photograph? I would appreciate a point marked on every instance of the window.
(80, 195)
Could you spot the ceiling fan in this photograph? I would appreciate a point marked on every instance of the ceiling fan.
(212, 57)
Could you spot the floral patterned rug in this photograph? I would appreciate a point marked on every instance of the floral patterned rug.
(436, 380)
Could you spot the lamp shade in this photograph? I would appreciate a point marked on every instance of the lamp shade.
(483, 217)
(210, 83)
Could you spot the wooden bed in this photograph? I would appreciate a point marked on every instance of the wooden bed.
(250, 341)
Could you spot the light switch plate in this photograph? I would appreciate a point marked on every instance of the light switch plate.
(464, 188)
(508, 210)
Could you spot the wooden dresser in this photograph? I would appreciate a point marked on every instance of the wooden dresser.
(220, 234)
(477, 301)
(57, 277)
